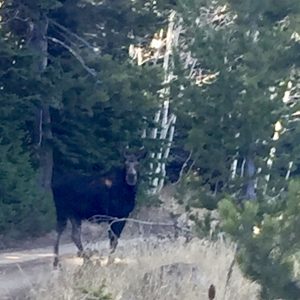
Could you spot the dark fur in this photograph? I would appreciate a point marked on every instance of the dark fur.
(80, 197)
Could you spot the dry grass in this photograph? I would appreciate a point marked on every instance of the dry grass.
(153, 270)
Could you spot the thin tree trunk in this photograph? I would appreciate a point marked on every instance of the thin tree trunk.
(164, 121)
(167, 121)
(250, 184)
(38, 43)
(46, 151)
(167, 152)
(288, 173)
(234, 168)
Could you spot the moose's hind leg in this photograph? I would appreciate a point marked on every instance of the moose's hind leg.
(60, 227)
(114, 233)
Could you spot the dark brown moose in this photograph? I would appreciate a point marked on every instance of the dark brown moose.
(79, 197)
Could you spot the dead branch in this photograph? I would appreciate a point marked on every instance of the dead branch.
(183, 168)
(15, 17)
(112, 220)
(68, 31)
(75, 54)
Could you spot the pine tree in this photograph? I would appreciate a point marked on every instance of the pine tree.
(108, 101)
(23, 208)
(247, 58)
(235, 113)
(78, 98)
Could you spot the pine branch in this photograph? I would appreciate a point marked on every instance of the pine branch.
(75, 54)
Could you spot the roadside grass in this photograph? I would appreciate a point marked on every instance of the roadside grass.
(152, 269)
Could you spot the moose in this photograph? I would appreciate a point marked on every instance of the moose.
(80, 197)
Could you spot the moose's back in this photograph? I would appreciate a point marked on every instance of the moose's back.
(80, 196)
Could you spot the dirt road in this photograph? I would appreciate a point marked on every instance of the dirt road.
(20, 270)
(199, 262)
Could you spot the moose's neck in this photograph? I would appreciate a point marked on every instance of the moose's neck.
(131, 188)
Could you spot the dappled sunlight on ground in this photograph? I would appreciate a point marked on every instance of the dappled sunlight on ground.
(26, 256)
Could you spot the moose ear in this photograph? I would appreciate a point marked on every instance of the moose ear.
(126, 153)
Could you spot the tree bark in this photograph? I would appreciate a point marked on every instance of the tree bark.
(46, 151)
(38, 43)
(250, 184)
(167, 120)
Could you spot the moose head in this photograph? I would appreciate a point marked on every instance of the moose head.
(131, 165)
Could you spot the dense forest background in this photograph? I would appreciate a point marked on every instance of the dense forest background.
(74, 93)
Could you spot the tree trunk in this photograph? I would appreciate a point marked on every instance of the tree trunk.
(38, 43)
(250, 181)
(164, 120)
(167, 120)
(46, 151)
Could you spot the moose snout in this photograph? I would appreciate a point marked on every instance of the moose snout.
(131, 178)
